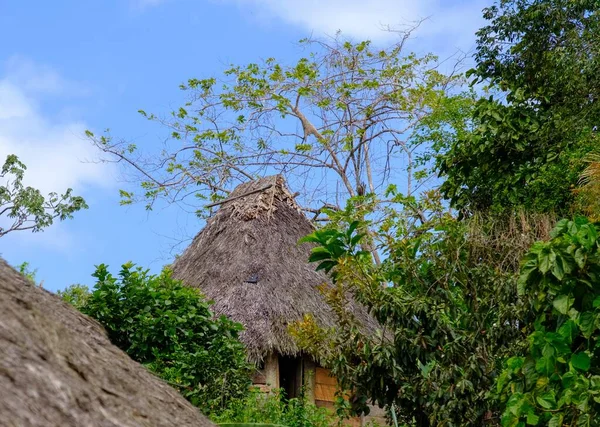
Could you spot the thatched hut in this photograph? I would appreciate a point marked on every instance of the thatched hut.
(58, 368)
(248, 261)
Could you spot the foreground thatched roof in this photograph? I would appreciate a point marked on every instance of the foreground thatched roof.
(58, 368)
(248, 260)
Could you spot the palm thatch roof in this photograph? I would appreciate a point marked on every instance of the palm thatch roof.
(248, 261)
(58, 368)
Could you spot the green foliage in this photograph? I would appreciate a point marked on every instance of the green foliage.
(25, 269)
(249, 425)
(77, 295)
(529, 138)
(542, 47)
(333, 245)
(448, 320)
(449, 304)
(517, 157)
(169, 328)
(25, 207)
(346, 110)
(272, 408)
(557, 382)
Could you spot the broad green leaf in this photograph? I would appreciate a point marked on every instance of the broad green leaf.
(558, 269)
(562, 303)
(581, 361)
(541, 383)
(515, 362)
(568, 379)
(352, 227)
(544, 261)
(546, 400)
(560, 228)
(545, 364)
(584, 419)
(532, 418)
(568, 330)
(556, 420)
(579, 257)
(587, 322)
(319, 254)
(310, 238)
(326, 265)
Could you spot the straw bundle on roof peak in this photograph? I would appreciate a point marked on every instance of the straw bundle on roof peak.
(258, 199)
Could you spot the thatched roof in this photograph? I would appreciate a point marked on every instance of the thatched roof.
(58, 368)
(248, 260)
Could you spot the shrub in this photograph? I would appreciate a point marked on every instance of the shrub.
(25, 269)
(76, 295)
(448, 320)
(259, 407)
(557, 382)
(169, 327)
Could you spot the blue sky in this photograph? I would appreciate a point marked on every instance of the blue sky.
(71, 65)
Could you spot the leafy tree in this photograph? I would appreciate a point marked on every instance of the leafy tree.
(540, 59)
(170, 328)
(546, 48)
(77, 295)
(25, 207)
(448, 320)
(341, 120)
(557, 382)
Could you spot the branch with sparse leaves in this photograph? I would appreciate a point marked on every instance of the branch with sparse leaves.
(25, 208)
(345, 120)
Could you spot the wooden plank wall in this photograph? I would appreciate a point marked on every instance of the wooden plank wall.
(325, 386)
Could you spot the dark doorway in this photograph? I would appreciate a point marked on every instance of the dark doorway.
(290, 376)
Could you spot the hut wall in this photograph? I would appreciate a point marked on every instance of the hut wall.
(272, 370)
(266, 377)
(324, 396)
(325, 388)
(319, 386)
(272, 374)
(308, 379)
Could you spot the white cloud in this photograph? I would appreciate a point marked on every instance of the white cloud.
(55, 153)
(41, 79)
(361, 19)
(13, 103)
(448, 24)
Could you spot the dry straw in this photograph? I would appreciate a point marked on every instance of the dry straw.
(248, 261)
(58, 368)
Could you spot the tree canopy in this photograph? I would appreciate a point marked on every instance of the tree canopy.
(345, 120)
(530, 136)
(448, 320)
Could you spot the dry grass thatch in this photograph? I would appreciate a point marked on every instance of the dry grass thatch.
(248, 260)
(58, 368)
(503, 241)
(589, 187)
